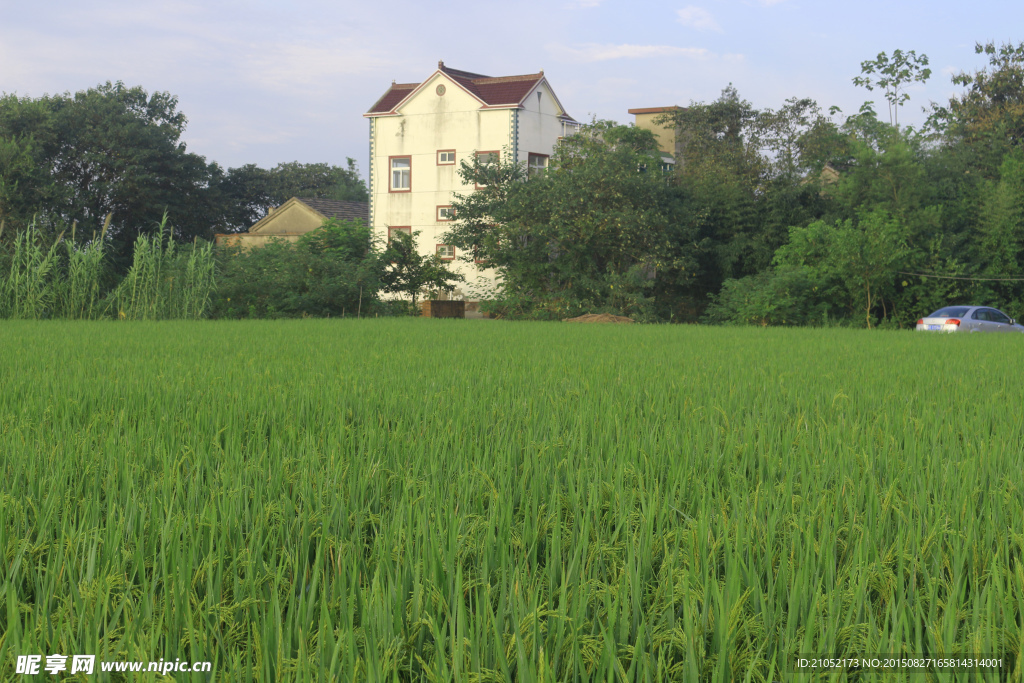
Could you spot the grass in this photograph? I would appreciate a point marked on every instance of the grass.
(414, 500)
(71, 280)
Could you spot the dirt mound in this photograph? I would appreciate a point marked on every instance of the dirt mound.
(599, 318)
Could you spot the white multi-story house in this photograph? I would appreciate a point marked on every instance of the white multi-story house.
(420, 132)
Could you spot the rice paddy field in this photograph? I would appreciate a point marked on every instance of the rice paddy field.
(448, 500)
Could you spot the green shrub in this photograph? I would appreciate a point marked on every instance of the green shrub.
(780, 296)
(333, 271)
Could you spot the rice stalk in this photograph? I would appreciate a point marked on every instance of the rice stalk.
(509, 502)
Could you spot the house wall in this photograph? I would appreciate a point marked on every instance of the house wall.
(666, 134)
(248, 240)
(539, 126)
(428, 123)
(290, 217)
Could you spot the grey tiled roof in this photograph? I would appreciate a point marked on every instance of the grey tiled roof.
(333, 208)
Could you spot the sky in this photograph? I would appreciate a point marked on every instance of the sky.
(268, 81)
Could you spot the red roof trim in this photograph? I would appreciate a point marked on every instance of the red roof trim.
(501, 92)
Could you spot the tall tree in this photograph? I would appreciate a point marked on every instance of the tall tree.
(892, 75)
(987, 120)
(406, 271)
(108, 149)
(594, 232)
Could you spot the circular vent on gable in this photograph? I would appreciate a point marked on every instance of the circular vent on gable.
(440, 90)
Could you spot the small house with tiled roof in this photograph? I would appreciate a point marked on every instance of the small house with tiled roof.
(295, 218)
(420, 132)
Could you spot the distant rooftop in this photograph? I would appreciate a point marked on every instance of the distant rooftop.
(342, 210)
(655, 110)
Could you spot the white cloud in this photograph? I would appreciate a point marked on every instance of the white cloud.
(698, 18)
(594, 52)
(585, 4)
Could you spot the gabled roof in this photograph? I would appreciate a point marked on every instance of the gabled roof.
(342, 210)
(325, 208)
(501, 92)
(395, 94)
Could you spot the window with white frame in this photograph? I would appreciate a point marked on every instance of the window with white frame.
(401, 174)
(446, 157)
(445, 213)
(486, 159)
(446, 252)
(394, 230)
(537, 163)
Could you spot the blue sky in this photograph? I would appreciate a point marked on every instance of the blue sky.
(269, 81)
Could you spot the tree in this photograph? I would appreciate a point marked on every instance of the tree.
(999, 240)
(594, 232)
(406, 271)
(987, 120)
(893, 75)
(106, 150)
(718, 134)
(334, 270)
(861, 255)
(248, 191)
(747, 175)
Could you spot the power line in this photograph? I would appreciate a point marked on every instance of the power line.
(956, 277)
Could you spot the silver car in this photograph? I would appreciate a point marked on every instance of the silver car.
(969, 319)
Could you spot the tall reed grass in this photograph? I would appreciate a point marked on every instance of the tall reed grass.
(72, 280)
(27, 290)
(418, 500)
(165, 281)
(79, 294)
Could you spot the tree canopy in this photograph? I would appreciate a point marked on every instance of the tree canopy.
(117, 150)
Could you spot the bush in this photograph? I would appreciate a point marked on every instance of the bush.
(333, 271)
(779, 296)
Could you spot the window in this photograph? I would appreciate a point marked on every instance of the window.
(478, 256)
(401, 174)
(486, 159)
(998, 317)
(446, 252)
(446, 157)
(391, 231)
(980, 314)
(537, 163)
(445, 213)
(950, 312)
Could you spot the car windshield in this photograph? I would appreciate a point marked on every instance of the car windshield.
(951, 312)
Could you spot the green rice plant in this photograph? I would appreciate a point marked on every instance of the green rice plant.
(165, 283)
(430, 500)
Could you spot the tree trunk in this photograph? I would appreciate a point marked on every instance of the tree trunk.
(867, 313)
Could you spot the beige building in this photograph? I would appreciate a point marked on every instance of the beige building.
(669, 141)
(420, 132)
(295, 218)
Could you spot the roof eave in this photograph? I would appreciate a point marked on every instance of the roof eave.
(425, 81)
(543, 80)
